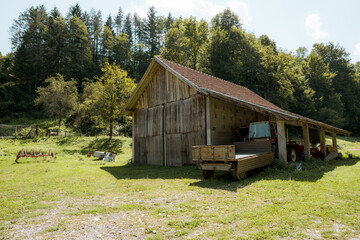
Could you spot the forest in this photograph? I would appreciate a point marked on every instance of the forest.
(79, 49)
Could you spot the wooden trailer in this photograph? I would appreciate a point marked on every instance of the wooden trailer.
(237, 158)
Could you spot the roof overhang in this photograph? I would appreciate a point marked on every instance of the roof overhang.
(289, 118)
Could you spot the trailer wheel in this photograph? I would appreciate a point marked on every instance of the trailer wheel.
(292, 155)
(207, 173)
(238, 176)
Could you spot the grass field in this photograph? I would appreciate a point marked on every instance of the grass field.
(76, 197)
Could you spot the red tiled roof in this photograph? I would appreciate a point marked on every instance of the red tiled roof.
(209, 82)
(217, 85)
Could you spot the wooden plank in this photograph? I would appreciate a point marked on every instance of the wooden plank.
(196, 154)
(306, 139)
(260, 160)
(133, 138)
(150, 122)
(333, 136)
(164, 136)
(141, 123)
(163, 85)
(322, 141)
(216, 166)
(174, 149)
(263, 146)
(206, 153)
(282, 142)
(155, 150)
(185, 160)
(140, 150)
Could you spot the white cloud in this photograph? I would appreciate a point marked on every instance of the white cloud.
(199, 8)
(357, 50)
(142, 12)
(313, 26)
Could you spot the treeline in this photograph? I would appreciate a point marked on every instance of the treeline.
(46, 44)
(319, 83)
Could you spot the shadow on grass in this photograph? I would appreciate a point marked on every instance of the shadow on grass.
(133, 171)
(312, 171)
(98, 144)
(102, 144)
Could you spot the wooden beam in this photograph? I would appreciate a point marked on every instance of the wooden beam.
(164, 135)
(133, 137)
(281, 142)
(306, 139)
(322, 141)
(208, 121)
(334, 143)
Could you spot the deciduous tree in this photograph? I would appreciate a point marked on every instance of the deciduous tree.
(58, 98)
(108, 94)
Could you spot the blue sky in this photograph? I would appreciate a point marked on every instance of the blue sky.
(290, 23)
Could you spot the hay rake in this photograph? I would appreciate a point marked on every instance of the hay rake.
(36, 154)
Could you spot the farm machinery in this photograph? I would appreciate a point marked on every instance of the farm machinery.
(23, 153)
(294, 145)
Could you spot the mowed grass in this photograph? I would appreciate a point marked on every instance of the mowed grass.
(79, 197)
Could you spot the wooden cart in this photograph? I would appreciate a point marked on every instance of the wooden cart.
(237, 158)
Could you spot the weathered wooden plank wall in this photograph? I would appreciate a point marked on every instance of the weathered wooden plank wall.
(185, 127)
(168, 107)
(227, 117)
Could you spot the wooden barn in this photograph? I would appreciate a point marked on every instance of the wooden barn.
(175, 108)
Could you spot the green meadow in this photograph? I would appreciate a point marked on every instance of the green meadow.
(80, 197)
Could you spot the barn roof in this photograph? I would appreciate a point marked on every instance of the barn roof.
(219, 88)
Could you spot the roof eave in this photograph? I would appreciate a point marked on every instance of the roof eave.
(130, 104)
(326, 127)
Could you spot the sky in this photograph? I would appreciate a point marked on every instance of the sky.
(290, 23)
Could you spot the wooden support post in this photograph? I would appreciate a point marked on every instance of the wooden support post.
(208, 125)
(281, 142)
(334, 143)
(322, 141)
(306, 139)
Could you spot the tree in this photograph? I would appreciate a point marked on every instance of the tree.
(109, 24)
(58, 98)
(330, 108)
(95, 34)
(225, 20)
(29, 64)
(55, 44)
(343, 83)
(75, 11)
(121, 50)
(118, 21)
(107, 44)
(79, 58)
(108, 94)
(152, 33)
(128, 28)
(233, 54)
(185, 42)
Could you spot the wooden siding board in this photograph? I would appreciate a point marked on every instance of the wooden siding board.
(180, 127)
(154, 147)
(140, 149)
